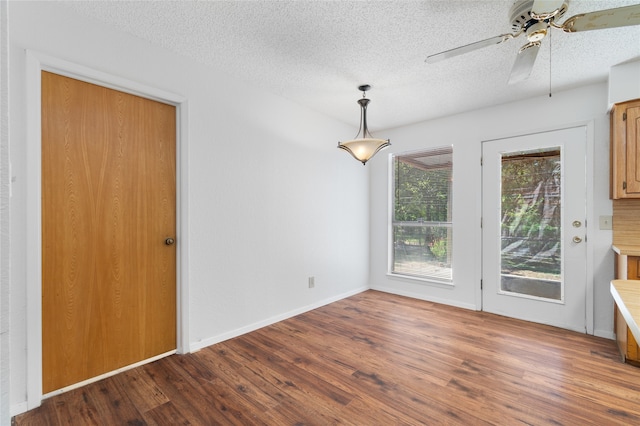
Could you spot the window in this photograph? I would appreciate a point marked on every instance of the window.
(421, 226)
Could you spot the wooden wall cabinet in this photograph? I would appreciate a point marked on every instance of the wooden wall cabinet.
(625, 150)
(627, 344)
(633, 268)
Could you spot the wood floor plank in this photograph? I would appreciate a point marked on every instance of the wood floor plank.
(143, 392)
(233, 373)
(374, 359)
(112, 406)
(165, 414)
(186, 397)
(294, 383)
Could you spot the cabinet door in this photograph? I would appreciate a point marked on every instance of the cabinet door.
(621, 334)
(633, 150)
(633, 268)
(632, 355)
(625, 150)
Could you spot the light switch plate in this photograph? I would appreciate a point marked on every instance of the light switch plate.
(606, 222)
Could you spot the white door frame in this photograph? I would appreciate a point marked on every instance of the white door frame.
(36, 63)
(591, 223)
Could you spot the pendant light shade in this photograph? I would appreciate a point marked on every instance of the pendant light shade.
(364, 146)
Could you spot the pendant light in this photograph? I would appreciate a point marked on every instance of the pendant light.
(364, 145)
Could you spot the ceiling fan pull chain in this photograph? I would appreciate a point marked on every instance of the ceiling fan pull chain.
(550, 51)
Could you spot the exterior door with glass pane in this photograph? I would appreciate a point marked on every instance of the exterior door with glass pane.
(534, 231)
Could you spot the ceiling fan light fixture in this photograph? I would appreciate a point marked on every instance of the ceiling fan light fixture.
(537, 31)
(364, 146)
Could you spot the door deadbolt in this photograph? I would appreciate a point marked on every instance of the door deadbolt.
(577, 224)
(169, 241)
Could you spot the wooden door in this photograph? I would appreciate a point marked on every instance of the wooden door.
(108, 206)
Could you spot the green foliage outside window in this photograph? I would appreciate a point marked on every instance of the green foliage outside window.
(422, 231)
(531, 213)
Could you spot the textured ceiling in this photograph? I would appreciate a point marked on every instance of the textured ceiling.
(316, 53)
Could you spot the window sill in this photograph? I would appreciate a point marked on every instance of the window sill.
(425, 280)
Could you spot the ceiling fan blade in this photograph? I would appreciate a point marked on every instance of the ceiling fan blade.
(468, 48)
(524, 62)
(545, 7)
(601, 19)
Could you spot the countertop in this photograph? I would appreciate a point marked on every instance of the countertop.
(627, 250)
(626, 293)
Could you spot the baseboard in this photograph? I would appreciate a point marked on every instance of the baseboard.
(413, 295)
(196, 346)
(18, 408)
(605, 334)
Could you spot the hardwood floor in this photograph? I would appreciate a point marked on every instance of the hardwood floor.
(371, 359)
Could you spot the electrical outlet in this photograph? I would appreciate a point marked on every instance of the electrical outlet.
(312, 282)
(606, 222)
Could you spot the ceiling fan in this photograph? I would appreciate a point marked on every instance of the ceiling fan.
(534, 18)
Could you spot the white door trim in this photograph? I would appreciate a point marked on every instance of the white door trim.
(590, 215)
(36, 63)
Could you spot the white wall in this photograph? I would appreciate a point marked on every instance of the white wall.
(5, 178)
(271, 199)
(466, 132)
(624, 82)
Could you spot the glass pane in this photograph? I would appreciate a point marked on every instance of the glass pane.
(531, 249)
(422, 250)
(422, 228)
(423, 186)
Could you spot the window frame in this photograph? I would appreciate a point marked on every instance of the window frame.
(432, 279)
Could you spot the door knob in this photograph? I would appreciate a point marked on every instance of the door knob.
(169, 241)
(577, 239)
